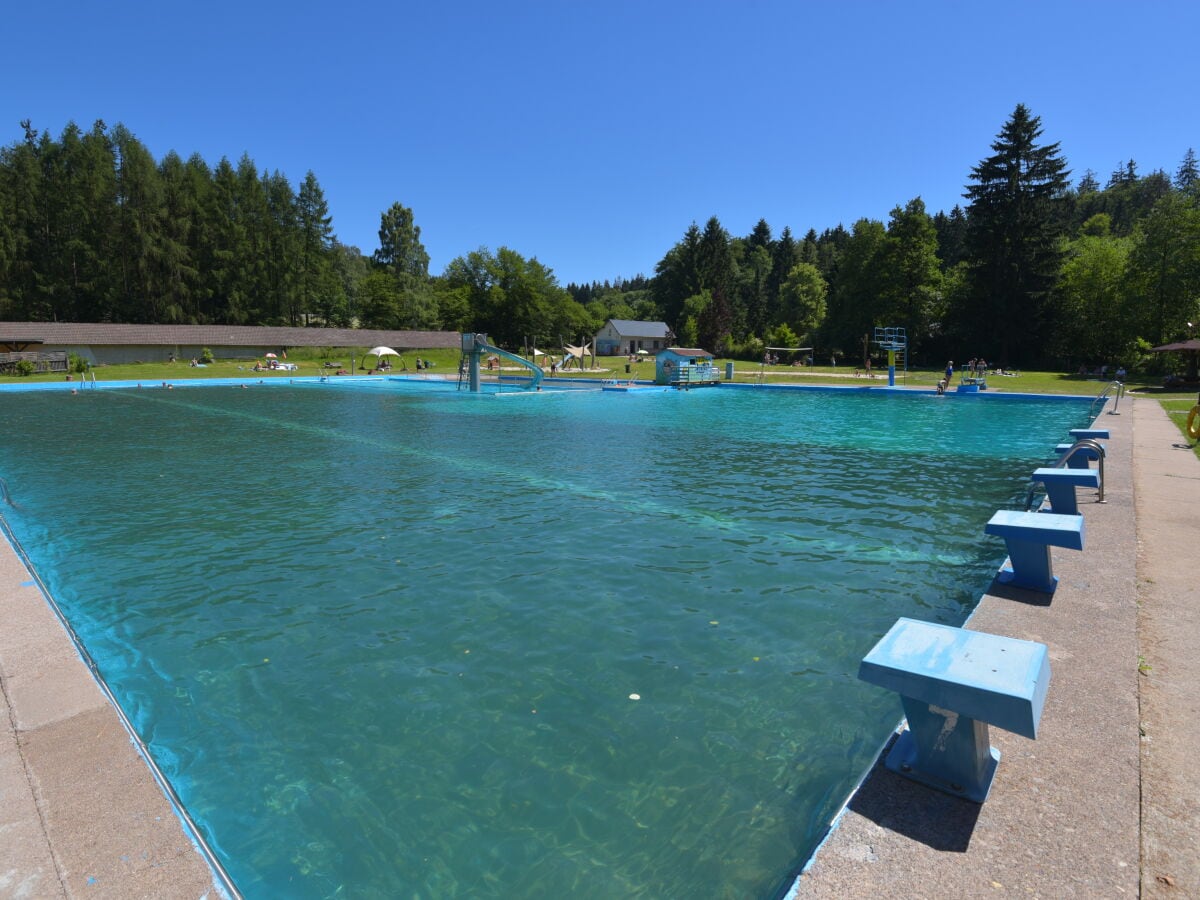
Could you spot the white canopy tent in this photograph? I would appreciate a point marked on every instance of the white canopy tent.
(380, 352)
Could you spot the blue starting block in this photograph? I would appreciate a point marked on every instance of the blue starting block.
(1082, 458)
(953, 683)
(1096, 434)
(1029, 537)
(1060, 486)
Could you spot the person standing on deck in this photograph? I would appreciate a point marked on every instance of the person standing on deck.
(949, 372)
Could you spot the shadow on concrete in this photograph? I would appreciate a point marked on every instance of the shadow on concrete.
(1018, 595)
(920, 813)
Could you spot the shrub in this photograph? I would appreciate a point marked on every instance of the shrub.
(25, 367)
(206, 356)
(76, 363)
(750, 350)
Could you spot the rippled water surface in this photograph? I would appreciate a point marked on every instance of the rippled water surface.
(384, 642)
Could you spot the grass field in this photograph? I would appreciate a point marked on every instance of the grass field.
(1178, 409)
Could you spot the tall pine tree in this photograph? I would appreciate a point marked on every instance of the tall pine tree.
(1015, 229)
(1188, 174)
(316, 244)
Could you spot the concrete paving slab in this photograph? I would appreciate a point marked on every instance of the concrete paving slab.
(42, 674)
(26, 863)
(113, 833)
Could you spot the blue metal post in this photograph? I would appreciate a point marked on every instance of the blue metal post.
(470, 346)
(944, 750)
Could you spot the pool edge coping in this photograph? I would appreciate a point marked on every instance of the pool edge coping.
(51, 695)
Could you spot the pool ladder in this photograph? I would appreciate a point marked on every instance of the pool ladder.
(1081, 444)
(1103, 395)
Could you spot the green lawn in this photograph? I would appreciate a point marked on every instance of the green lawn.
(312, 361)
(1177, 408)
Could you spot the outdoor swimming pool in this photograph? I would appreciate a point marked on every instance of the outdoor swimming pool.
(384, 641)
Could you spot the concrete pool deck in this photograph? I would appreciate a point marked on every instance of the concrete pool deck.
(1103, 803)
(1089, 808)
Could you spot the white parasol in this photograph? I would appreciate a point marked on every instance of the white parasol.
(382, 351)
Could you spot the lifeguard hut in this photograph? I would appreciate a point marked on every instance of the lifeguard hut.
(685, 367)
(895, 341)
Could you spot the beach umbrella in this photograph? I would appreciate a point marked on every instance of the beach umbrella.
(271, 356)
(382, 351)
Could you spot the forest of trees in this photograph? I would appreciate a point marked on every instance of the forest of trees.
(1032, 270)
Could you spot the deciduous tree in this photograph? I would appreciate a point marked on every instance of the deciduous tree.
(802, 299)
(1165, 268)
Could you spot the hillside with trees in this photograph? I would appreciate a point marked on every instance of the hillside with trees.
(1029, 271)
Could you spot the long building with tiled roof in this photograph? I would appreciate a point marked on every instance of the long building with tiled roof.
(107, 343)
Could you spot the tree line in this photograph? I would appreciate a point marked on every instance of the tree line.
(1030, 270)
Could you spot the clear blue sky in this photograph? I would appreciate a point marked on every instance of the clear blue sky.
(591, 134)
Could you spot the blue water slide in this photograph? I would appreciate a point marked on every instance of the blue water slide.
(538, 374)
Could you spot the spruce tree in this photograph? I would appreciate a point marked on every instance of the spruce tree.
(760, 236)
(316, 244)
(400, 249)
(179, 275)
(951, 235)
(1188, 174)
(677, 277)
(283, 242)
(139, 228)
(1014, 235)
(784, 255)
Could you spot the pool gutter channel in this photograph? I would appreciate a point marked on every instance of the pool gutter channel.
(221, 878)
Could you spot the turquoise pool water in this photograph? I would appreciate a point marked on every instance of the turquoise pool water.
(384, 642)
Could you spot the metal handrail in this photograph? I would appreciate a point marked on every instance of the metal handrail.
(1081, 444)
(1117, 402)
(1103, 395)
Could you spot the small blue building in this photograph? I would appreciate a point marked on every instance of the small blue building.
(685, 367)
